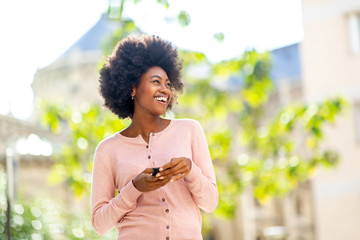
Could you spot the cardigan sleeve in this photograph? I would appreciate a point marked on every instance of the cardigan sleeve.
(201, 180)
(106, 208)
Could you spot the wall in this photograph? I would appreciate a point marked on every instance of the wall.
(331, 68)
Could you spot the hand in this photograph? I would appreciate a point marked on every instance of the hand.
(144, 182)
(176, 169)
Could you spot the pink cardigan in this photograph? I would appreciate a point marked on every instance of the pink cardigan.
(171, 212)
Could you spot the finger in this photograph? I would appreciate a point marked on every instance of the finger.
(177, 161)
(157, 178)
(158, 183)
(164, 182)
(166, 166)
(178, 177)
(183, 162)
(170, 173)
(173, 162)
(153, 179)
(167, 172)
(148, 171)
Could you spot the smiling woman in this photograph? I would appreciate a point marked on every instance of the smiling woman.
(154, 87)
(131, 59)
(160, 168)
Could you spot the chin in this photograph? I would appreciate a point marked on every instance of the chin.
(161, 113)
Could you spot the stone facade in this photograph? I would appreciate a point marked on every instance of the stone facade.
(331, 67)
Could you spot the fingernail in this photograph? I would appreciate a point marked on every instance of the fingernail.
(171, 180)
(160, 169)
(161, 178)
(158, 175)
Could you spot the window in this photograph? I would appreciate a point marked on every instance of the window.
(354, 30)
(299, 208)
(357, 121)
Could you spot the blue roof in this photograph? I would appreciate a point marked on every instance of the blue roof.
(286, 64)
(286, 60)
(92, 40)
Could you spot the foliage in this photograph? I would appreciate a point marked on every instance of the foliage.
(184, 18)
(44, 218)
(219, 36)
(126, 27)
(86, 128)
(250, 145)
(116, 9)
(25, 220)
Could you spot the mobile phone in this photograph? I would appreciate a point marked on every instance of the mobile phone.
(155, 171)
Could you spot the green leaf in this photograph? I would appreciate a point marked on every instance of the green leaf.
(219, 37)
(165, 3)
(184, 19)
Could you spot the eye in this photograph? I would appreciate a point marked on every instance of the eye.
(168, 84)
(156, 81)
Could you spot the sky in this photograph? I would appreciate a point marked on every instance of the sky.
(35, 33)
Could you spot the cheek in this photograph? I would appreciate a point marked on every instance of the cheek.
(171, 95)
(146, 92)
(171, 102)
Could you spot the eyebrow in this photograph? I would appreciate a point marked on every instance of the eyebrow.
(152, 76)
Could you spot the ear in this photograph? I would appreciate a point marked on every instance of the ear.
(133, 92)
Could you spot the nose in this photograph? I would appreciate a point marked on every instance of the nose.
(164, 88)
(164, 91)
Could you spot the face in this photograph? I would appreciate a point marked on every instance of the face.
(153, 93)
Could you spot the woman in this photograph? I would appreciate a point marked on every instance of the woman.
(140, 80)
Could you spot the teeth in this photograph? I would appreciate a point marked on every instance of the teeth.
(163, 99)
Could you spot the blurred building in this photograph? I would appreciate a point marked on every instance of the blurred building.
(74, 75)
(25, 150)
(25, 146)
(290, 217)
(325, 64)
(330, 58)
(327, 207)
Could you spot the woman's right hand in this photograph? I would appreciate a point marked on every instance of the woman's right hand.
(145, 182)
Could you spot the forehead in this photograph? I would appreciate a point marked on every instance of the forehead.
(155, 71)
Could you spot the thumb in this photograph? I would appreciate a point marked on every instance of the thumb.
(148, 171)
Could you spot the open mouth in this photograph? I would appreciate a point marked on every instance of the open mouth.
(161, 99)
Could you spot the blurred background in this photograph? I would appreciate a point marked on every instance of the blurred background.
(274, 84)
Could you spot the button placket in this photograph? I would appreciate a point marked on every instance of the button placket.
(167, 226)
(148, 150)
(167, 213)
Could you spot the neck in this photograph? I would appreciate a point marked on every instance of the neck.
(144, 125)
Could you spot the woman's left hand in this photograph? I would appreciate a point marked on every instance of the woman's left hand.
(176, 169)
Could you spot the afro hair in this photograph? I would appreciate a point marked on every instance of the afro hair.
(131, 58)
